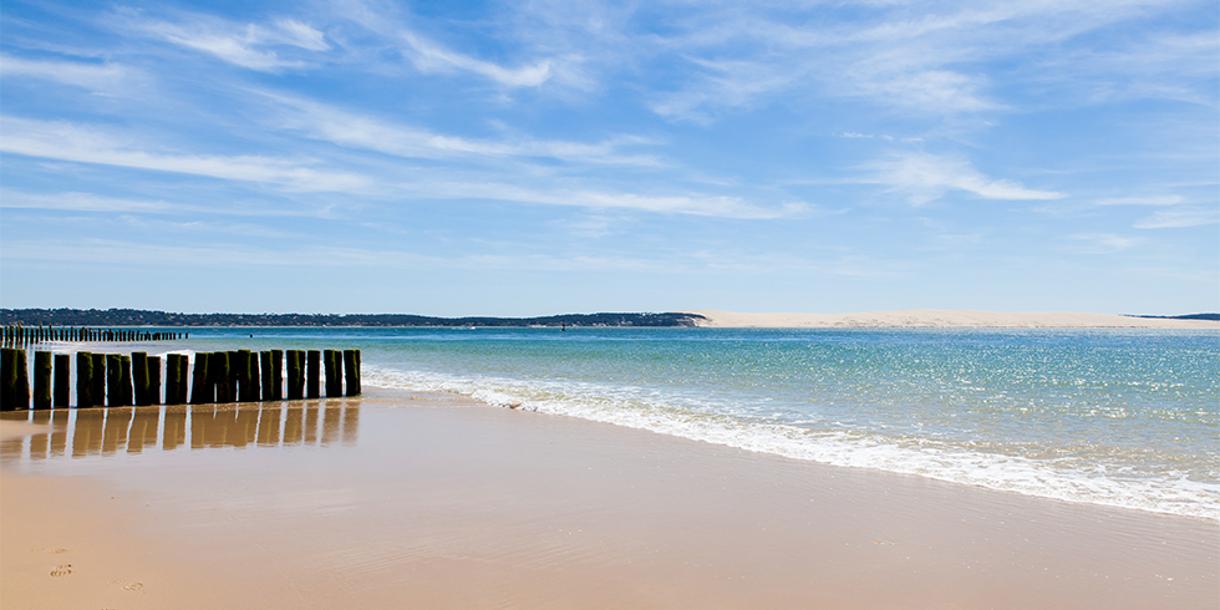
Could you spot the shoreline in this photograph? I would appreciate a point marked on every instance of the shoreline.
(439, 501)
(946, 319)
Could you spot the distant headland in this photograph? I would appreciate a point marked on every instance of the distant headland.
(145, 317)
(914, 318)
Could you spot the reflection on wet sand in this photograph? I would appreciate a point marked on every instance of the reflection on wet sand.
(174, 432)
(114, 433)
(143, 430)
(38, 442)
(269, 425)
(292, 426)
(59, 432)
(87, 435)
(330, 426)
(78, 433)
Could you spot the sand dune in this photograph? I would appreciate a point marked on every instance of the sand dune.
(942, 318)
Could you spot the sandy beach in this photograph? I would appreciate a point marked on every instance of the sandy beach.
(421, 500)
(942, 318)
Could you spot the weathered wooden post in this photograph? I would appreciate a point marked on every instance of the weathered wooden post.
(277, 372)
(125, 379)
(313, 368)
(351, 365)
(8, 380)
(139, 377)
(63, 380)
(264, 361)
(98, 387)
(23, 379)
(42, 380)
(256, 380)
(218, 366)
(154, 380)
(330, 362)
(183, 375)
(200, 390)
(171, 378)
(240, 361)
(231, 376)
(176, 372)
(296, 374)
(114, 396)
(84, 379)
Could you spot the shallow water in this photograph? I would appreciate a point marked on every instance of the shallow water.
(1121, 418)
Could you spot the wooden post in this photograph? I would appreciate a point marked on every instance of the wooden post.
(8, 379)
(277, 371)
(125, 379)
(200, 390)
(313, 367)
(234, 377)
(98, 386)
(218, 367)
(264, 361)
(296, 374)
(23, 380)
(154, 380)
(139, 377)
(330, 363)
(63, 380)
(183, 368)
(256, 383)
(84, 379)
(171, 378)
(240, 360)
(351, 365)
(114, 396)
(176, 369)
(42, 380)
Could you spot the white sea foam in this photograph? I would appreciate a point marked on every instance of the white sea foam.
(689, 418)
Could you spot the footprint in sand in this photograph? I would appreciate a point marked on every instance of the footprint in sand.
(135, 586)
(62, 570)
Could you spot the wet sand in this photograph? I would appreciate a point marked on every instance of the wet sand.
(398, 500)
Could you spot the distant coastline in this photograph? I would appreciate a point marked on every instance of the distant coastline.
(144, 317)
(915, 318)
(954, 318)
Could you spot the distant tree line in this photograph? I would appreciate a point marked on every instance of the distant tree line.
(144, 317)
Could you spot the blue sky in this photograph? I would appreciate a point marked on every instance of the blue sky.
(539, 157)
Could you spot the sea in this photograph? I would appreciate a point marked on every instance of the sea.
(1125, 418)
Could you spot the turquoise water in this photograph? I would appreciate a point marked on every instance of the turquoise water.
(1122, 418)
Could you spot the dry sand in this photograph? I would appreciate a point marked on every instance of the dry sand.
(942, 318)
(399, 500)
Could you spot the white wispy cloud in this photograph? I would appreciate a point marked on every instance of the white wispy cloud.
(923, 178)
(1143, 200)
(69, 141)
(78, 201)
(429, 56)
(98, 77)
(1180, 218)
(367, 132)
(249, 45)
(885, 137)
(927, 60)
(693, 204)
(1103, 243)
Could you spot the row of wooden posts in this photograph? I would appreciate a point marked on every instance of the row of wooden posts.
(16, 334)
(120, 380)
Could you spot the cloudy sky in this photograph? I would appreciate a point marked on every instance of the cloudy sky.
(539, 157)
